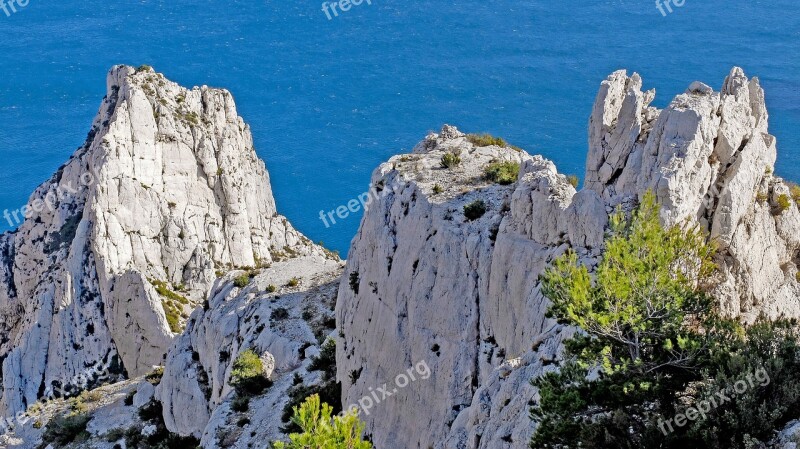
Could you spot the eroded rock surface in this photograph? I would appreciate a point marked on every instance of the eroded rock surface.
(166, 192)
(285, 327)
(166, 209)
(428, 284)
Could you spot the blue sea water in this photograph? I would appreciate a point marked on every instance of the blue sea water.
(328, 100)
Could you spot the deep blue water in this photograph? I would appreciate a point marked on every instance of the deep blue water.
(329, 100)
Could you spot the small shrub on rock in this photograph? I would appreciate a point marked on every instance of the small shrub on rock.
(114, 435)
(155, 376)
(247, 376)
(450, 160)
(475, 210)
(794, 190)
(242, 281)
(573, 180)
(326, 361)
(503, 173)
(784, 203)
(152, 411)
(293, 282)
(280, 314)
(486, 140)
(66, 429)
(354, 282)
(240, 404)
(328, 389)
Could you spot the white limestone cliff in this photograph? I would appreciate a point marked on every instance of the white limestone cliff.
(166, 208)
(285, 326)
(710, 159)
(166, 191)
(428, 284)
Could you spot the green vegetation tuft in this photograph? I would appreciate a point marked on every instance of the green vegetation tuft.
(247, 376)
(293, 282)
(154, 377)
(485, 140)
(450, 160)
(172, 312)
(574, 180)
(326, 361)
(172, 303)
(784, 203)
(163, 290)
(242, 281)
(503, 173)
(66, 429)
(794, 191)
(328, 389)
(475, 210)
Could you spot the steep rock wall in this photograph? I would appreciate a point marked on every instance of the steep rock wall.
(166, 191)
(428, 284)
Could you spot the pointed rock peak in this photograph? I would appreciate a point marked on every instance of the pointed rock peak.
(734, 81)
(447, 136)
(621, 79)
(117, 75)
(166, 196)
(450, 132)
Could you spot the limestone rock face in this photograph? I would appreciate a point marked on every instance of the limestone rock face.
(166, 209)
(283, 327)
(710, 160)
(107, 406)
(428, 284)
(166, 190)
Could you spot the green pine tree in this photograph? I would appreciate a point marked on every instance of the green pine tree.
(321, 431)
(652, 346)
